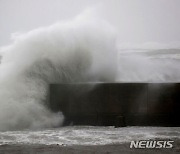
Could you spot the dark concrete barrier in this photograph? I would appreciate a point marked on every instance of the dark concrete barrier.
(118, 104)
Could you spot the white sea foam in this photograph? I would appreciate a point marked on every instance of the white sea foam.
(88, 135)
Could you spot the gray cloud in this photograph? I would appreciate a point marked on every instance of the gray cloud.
(137, 21)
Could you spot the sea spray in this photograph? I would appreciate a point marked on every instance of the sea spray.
(147, 65)
(81, 50)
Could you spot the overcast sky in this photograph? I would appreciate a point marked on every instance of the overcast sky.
(137, 21)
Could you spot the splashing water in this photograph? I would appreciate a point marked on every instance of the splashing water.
(72, 51)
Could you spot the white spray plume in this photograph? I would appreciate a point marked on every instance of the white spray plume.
(80, 50)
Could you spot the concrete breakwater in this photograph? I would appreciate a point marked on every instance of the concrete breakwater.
(117, 104)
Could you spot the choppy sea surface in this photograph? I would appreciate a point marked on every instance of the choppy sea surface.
(88, 135)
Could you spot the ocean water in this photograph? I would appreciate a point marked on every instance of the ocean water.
(88, 135)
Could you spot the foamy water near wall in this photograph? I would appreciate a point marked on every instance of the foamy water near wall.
(88, 135)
